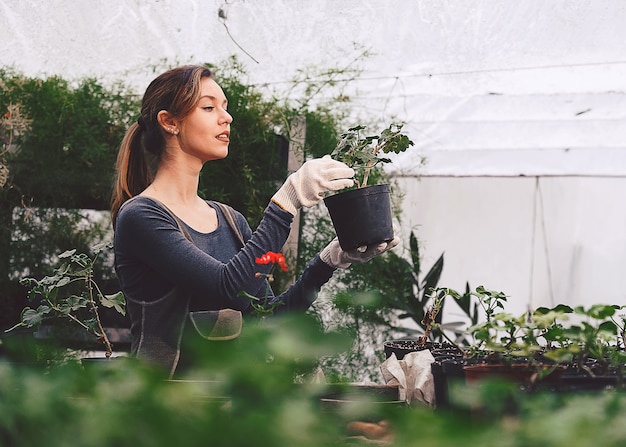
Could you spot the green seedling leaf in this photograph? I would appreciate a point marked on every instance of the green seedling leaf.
(547, 319)
(608, 327)
(558, 308)
(602, 311)
(562, 355)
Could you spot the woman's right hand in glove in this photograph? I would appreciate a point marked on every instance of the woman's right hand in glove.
(334, 256)
(306, 186)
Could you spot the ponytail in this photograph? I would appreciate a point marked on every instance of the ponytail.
(133, 173)
(177, 91)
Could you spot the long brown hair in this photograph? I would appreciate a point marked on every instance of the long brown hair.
(177, 91)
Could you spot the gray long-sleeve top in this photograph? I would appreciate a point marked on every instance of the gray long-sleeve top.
(164, 275)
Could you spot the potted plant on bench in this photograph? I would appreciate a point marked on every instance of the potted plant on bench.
(543, 345)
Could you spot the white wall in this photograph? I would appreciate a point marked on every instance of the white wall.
(543, 241)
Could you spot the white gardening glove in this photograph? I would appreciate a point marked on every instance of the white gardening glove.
(334, 256)
(306, 186)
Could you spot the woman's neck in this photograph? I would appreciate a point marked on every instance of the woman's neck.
(175, 184)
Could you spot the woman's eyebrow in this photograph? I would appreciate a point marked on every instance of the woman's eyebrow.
(213, 98)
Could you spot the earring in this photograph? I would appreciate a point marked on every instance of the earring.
(175, 132)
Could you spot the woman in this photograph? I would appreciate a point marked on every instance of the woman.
(175, 252)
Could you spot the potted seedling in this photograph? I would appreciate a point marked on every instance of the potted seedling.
(539, 348)
(72, 294)
(593, 347)
(415, 301)
(362, 216)
(500, 345)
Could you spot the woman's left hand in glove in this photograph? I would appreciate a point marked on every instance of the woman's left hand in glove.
(334, 255)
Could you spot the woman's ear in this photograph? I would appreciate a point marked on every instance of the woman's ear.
(168, 122)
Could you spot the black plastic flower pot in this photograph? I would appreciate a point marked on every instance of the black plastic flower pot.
(403, 347)
(362, 216)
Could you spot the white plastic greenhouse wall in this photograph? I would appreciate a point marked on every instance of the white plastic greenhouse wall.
(517, 110)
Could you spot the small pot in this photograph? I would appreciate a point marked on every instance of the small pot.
(362, 216)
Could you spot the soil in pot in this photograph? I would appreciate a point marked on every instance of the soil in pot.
(362, 216)
(404, 346)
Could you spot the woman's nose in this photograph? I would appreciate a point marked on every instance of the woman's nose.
(227, 117)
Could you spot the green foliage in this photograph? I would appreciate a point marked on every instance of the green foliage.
(361, 153)
(405, 293)
(35, 236)
(415, 305)
(67, 157)
(245, 394)
(256, 392)
(59, 145)
(71, 293)
(321, 132)
(369, 299)
(599, 336)
(596, 334)
(39, 233)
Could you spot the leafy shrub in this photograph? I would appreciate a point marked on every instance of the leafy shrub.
(255, 392)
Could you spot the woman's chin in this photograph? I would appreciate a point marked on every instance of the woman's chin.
(217, 156)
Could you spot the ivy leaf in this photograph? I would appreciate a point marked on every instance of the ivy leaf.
(92, 324)
(64, 280)
(72, 303)
(34, 317)
(67, 254)
(116, 301)
(100, 247)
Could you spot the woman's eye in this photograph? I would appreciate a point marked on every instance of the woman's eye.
(208, 108)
